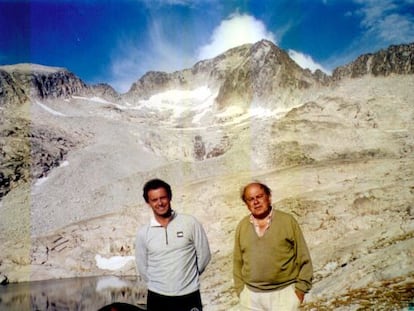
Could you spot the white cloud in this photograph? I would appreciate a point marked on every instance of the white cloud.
(125, 68)
(306, 61)
(382, 23)
(387, 29)
(158, 53)
(387, 21)
(235, 31)
(155, 3)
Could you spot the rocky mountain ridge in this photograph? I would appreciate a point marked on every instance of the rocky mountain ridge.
(21, 82)
(265, 65)
(397, 59)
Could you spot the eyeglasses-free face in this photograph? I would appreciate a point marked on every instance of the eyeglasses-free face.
(257, 201)
(159, 201)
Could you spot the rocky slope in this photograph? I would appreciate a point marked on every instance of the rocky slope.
(337, 152)
(30, 149)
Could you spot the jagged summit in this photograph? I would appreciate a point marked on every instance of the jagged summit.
(210, 72)
(396, 59)
(264, 70)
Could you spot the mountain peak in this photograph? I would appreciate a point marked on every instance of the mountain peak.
(23, 80)
(239, 75)
(264, 69)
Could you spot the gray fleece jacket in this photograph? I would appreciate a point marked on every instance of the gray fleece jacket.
(171, 259)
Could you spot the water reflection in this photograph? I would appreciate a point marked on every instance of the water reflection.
(91, 293)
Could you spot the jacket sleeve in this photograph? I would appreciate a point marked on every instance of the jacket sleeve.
(202, 247)
(305, 276)
(237, 263)
(141, 257)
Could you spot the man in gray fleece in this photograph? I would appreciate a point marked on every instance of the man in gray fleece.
(272, 267)
(171, 253)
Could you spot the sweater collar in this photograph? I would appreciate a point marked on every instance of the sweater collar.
(155, 223)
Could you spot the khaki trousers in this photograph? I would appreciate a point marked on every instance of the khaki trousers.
(278, 300)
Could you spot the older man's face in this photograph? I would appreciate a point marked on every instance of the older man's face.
(257, 201)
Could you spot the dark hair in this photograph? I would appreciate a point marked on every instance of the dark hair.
(156, 184)
(265, 188)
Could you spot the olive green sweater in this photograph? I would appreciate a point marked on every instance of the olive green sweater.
(277, 259)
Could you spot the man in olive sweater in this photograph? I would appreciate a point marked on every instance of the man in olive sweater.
(272, 267)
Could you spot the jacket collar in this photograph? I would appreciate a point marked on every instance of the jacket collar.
(155, 223)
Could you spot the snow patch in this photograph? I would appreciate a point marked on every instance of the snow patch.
(93, 99)
(64, 163)
(50, 110)
(330, 266)
(40, 181)
(112, 263)
(230, 112)
(261, 112)
(179, 101)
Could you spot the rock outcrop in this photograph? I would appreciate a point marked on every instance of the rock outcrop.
(40, 81)
(396, 59)
(11, 93)
(105, 91)
(29, 152)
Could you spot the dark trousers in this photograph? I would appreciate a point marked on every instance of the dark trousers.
(190, 302)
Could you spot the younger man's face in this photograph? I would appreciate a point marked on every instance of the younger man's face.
(159, 202)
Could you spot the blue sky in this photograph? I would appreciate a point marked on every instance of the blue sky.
(118, 41)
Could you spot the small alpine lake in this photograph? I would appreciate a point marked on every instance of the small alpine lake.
(81, 293)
